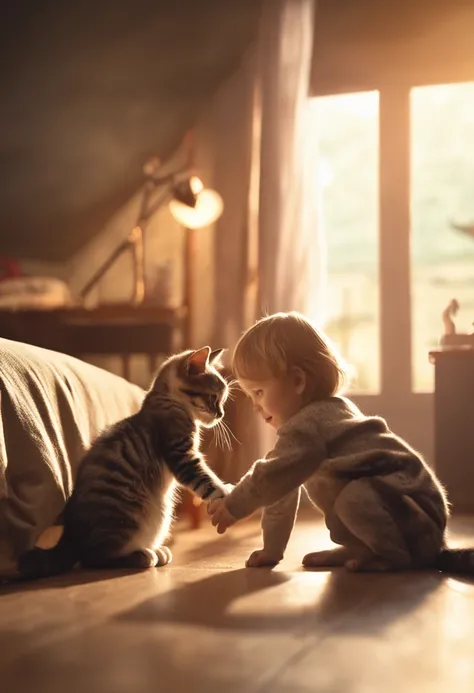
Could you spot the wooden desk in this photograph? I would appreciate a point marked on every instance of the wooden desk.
(114, 330)
(454, 423)
(111, 329)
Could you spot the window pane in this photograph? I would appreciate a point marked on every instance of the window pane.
(442, 160)
(347, 127)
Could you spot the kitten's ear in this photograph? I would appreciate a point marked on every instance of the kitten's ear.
(198, 360)
(215, 357)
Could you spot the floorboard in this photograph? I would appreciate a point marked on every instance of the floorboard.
(205, 623)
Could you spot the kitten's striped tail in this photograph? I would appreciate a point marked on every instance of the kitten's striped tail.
(39, 563)
(457, 561)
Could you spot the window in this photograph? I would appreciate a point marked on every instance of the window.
(442, 192)
(348, 127)
(440, 120)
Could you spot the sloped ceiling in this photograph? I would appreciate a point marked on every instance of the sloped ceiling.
(88, 91)
(371, 44)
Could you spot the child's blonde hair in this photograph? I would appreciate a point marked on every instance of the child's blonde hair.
(282, 341)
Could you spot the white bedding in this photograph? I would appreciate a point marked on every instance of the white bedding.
(52, 406)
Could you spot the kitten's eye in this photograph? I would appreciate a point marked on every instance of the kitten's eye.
(258, 393)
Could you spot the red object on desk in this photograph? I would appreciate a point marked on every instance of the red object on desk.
(9, 268)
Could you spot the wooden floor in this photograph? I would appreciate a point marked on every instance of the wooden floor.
(205, 623)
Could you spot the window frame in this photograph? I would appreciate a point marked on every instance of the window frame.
(349, 59)
(409, 413)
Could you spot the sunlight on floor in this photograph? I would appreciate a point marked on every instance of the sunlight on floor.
(296, 591)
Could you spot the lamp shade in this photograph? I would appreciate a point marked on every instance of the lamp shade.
(208, 208)
(187, 190)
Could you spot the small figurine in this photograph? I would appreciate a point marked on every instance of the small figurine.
(451, 338)
(448, 313)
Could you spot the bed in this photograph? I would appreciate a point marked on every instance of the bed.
(52, 406)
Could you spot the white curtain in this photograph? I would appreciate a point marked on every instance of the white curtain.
(269, 251)
(291, 256)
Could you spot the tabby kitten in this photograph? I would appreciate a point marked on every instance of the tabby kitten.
(121, 508)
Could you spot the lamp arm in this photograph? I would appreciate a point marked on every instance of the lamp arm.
(97, 276)
(135, 239)
(150, 211)
(146, 212)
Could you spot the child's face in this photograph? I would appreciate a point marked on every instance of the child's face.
(276, 399)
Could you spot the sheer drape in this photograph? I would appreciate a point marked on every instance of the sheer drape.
(270, 254)
(291, 257)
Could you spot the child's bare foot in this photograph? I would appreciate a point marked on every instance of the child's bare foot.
(326, 559)
(261, 558)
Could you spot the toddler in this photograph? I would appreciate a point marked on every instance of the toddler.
(382, 504)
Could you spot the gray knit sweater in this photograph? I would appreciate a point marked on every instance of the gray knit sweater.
(322, 448)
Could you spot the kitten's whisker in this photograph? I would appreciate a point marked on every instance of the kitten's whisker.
(225, 442)
(230, 433)
(219, 435)
(233, 386)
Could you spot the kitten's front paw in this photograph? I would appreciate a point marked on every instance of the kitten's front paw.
(163, 555)
(261, 558)
(220, 492)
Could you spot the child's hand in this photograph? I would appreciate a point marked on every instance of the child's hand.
(212, 504)
(221, 517)
(261, 558)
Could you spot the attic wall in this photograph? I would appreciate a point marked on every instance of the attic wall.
(41, 268)
(217, 143)
(86, 90)
(164, 240)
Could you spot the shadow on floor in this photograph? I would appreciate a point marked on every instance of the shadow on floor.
(71, 579)
(221, 545)
(350, 602)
